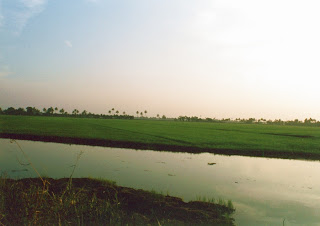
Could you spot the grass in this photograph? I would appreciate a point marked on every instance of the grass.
(223, 138)
(220, 201)
(98, 202)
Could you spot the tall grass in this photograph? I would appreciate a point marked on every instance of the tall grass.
(23, 204)
(218, 201)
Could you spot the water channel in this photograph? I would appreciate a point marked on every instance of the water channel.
(264, 191)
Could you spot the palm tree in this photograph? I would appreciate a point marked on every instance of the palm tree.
(112, 110)
(55, 109)
(117, 112)
(145, 112)
(141, 113)
(124, 113)
(50, 110)
(44, 110)
(109, 112)
(75, 112)
(61, 111)
(137, 113)
(158, 116)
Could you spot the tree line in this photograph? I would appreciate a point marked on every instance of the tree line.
(295, 122)
(51, 111)
(115, 114)
(54, 111)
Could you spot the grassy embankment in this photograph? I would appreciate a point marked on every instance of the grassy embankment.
(223, 138)
(86, 201)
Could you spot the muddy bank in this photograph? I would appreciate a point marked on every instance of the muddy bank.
(83, 200)
(160, 147)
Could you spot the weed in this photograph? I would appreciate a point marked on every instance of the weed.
(220, 201)
(74, 168)
(29, 161)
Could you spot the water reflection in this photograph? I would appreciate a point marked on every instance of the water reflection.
(264, 191)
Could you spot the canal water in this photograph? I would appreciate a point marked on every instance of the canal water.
(264, 191)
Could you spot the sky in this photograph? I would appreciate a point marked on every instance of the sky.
(218, 59)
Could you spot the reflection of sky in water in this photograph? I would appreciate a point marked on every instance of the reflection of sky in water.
(262, 190)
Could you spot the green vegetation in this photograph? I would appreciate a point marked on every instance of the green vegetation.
(32, 111)
(37, 201)
(114, 114)
(295, 122)
(225, 138)
(220, 201)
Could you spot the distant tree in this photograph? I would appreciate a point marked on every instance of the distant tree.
(141, 114)
(44, 110)
(250, 120)
(75, 112)
(278, 122)
(145, 112)
(1, 112)
(21, 111)
(109, 111)
(164, 117)
(32, 111)
(194, 119)
(309, 121)
(55, 109)
(181, 118)
(84, 113)
(10, 111)
(124, 113)
(158, 116)
(36, 111)
(50, 111)
(62, 111)
(117, 112)
(112, 110)
(29, 111)
(137, 113)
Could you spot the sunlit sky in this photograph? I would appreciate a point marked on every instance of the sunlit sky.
(225, 58)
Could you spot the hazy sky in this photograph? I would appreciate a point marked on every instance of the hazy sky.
(225, 58)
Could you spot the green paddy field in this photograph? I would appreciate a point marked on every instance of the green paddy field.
(222, 138)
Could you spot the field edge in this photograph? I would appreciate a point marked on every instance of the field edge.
(161, 147)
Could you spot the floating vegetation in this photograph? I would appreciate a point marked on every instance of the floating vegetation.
(211, 163)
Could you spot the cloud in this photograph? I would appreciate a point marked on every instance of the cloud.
(14, 16)
(68, 43)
